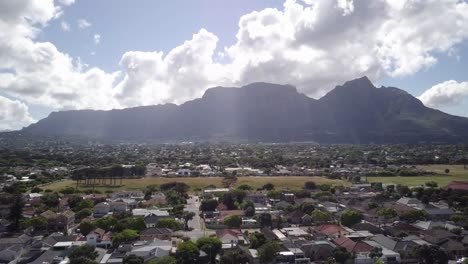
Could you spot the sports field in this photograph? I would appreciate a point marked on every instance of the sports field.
(457, 173)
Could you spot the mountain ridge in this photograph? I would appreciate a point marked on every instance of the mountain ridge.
(355, 112)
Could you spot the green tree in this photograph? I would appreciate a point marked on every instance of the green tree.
(237, 256)
(163, 260)
(187, 216)
(209, 205)
(310, 185)
(169, 223)
(125, 236)
(413, 216)
(340, 255)
(211, 246)
(85, 254)
(16, 211)
(430, 254)
(233, 221)
(83, 213)
(38, 223)
(375, 253)
(268, 187)
(264, 219)
(257, 240)
(187, 253)
(320, 216)
(387, 213)
(86, 227)
(350, 218)
(133, 259)
(307, 208)
(268, 252)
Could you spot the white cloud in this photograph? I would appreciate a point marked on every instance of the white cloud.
(312, 46)
(97, 39)
(67, 2)
(449, 93)
(13, 114)
(65, 26)
(83, 23)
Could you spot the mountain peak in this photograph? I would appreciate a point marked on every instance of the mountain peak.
(362, 82)
(257, 88)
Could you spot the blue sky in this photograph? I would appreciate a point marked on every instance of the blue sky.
(133, 53)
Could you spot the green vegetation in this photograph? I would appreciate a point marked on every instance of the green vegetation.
(292, 182)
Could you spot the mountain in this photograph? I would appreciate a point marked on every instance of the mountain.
(355, 112)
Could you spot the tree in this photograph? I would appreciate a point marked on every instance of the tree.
(387, 213)
(169, 223)
(268, 252)
(187, 216)
(238, 256)
(16, 211)
(83, 213)
(211, 246)
(83, 255)
(187, 253)
(133, 259)
(233, 221)
(430, 254)
(340, 254)
(38, 223)
(208, 205)
(350, 218)
(257, 240)
(307, 208)
(447, 171)
(264, 219)
(86, 227)
(125, 236)
(432, 184)
(244, 187)
(268, 187)
(375, 253)
(163, 260)
(310, 185)
(249, 211)
(413, 216)
(320, 216)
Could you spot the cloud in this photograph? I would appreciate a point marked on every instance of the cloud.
(449, 93)
(67, 2)
(83, 23)
(313, 44)
(97, 39)
(13, 114)
(65, 26)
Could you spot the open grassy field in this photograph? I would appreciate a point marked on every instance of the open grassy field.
(457, 173)
(291, 182)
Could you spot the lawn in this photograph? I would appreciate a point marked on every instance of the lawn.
(291, 182)
(457, 173)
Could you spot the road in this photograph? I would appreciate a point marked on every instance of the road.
(196, 224)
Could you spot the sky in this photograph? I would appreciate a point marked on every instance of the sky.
(96, 54)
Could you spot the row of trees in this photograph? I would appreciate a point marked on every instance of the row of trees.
(91, 176)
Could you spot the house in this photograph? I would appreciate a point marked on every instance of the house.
(295, 232)
(388, 256)
(11, 255)
(297, 217)
(355, 247)
(59, 221)
(22, 240)
(101, 209)
(230, 237)
(152, 218)
(117, 206)
(153, 250)
(318, 250)
(158, 233)
(134, 194)
(332, 230)
(99, 238)
(457, 185)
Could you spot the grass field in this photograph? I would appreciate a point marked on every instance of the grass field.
(291, 182)
(457, 173)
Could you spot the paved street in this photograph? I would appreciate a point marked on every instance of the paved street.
(197, 225)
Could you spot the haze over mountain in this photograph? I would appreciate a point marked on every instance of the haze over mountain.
(355, 112)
